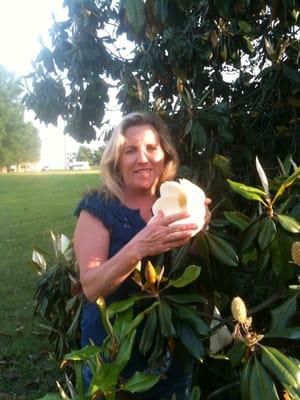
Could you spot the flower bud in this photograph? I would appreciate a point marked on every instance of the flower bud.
(150, 273)
(239, 310)
(296, 252)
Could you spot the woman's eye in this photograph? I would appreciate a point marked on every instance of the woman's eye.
(152, 148)
(129, 150)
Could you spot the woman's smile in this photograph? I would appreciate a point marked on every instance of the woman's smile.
(142, 159)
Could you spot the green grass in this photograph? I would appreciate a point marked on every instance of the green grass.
(30, 206)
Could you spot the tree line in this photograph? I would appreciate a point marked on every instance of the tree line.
(19, 140)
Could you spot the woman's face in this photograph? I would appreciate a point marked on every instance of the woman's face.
(142, 159)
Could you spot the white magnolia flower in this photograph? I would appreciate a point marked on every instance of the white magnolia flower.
(182, 196)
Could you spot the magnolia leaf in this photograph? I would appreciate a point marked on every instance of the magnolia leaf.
(266, 233)
(125, 350)
(288, 182)
(140, 382)
(292, 333)
(222, 250)
(84, 354)
(285, 370)
(65, 243)
(139, 318)
(261, 386)
(280, 253)
(250, 235)
(147, 336)
(236, 353)
(39, 260)
(187, 298)
(191, 341)
(288, 223)
(191, 317)
(195, 393)
(189, 275)
(165, 319)
(262, 176)
(282, 314)
(105, 378)
(237, 219)
(245, 379)
(248, 192)
(122, 305)
(135, 10)
(122, 320)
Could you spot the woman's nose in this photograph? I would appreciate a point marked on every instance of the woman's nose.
(142, 156)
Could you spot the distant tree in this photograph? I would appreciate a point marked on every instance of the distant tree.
(19, 140)
(97, 154)
(85, 154)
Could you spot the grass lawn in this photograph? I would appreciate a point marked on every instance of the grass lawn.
(30, 206)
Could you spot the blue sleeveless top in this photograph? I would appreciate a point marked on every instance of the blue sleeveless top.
(123, 224)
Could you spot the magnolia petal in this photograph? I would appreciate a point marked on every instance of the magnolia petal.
(171, 188)
(195, 202)
(167, 204)
(191, 188)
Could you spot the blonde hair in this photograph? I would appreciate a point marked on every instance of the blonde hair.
(109, 165)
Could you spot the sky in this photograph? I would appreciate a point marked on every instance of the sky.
(22, 23)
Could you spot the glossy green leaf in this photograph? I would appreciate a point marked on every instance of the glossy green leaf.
(285, 370)
(195, 393)
(222, 250)
(250, 235)
(135, 10)
(290, 224)
(198, 135)
(165, 319)
(84, 354)
(237, 219)
(122, 305)
(236, 353)
(292, 333)
(125, 350)
(189, 275)
(282, 314)
(266, 233)
(245, 379)
(185, 298)
(280, 255)
(147, 336)
(105, 379)
(287, 183)
(191, 341)
(261, 385)
(140, 382)
(122, 320)
(191, 317)
(139, 318)
(248, 192)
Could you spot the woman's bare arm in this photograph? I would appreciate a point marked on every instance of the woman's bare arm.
(101, 276)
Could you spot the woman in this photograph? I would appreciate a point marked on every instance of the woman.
(115, 227)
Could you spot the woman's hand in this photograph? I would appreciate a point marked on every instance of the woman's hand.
(160, 235)
(207, 212)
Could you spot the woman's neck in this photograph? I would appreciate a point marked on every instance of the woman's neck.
(142, 201)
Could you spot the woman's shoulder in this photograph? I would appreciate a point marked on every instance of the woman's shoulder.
(96, 202)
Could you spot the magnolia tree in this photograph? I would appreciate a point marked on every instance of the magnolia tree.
(225, 77)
